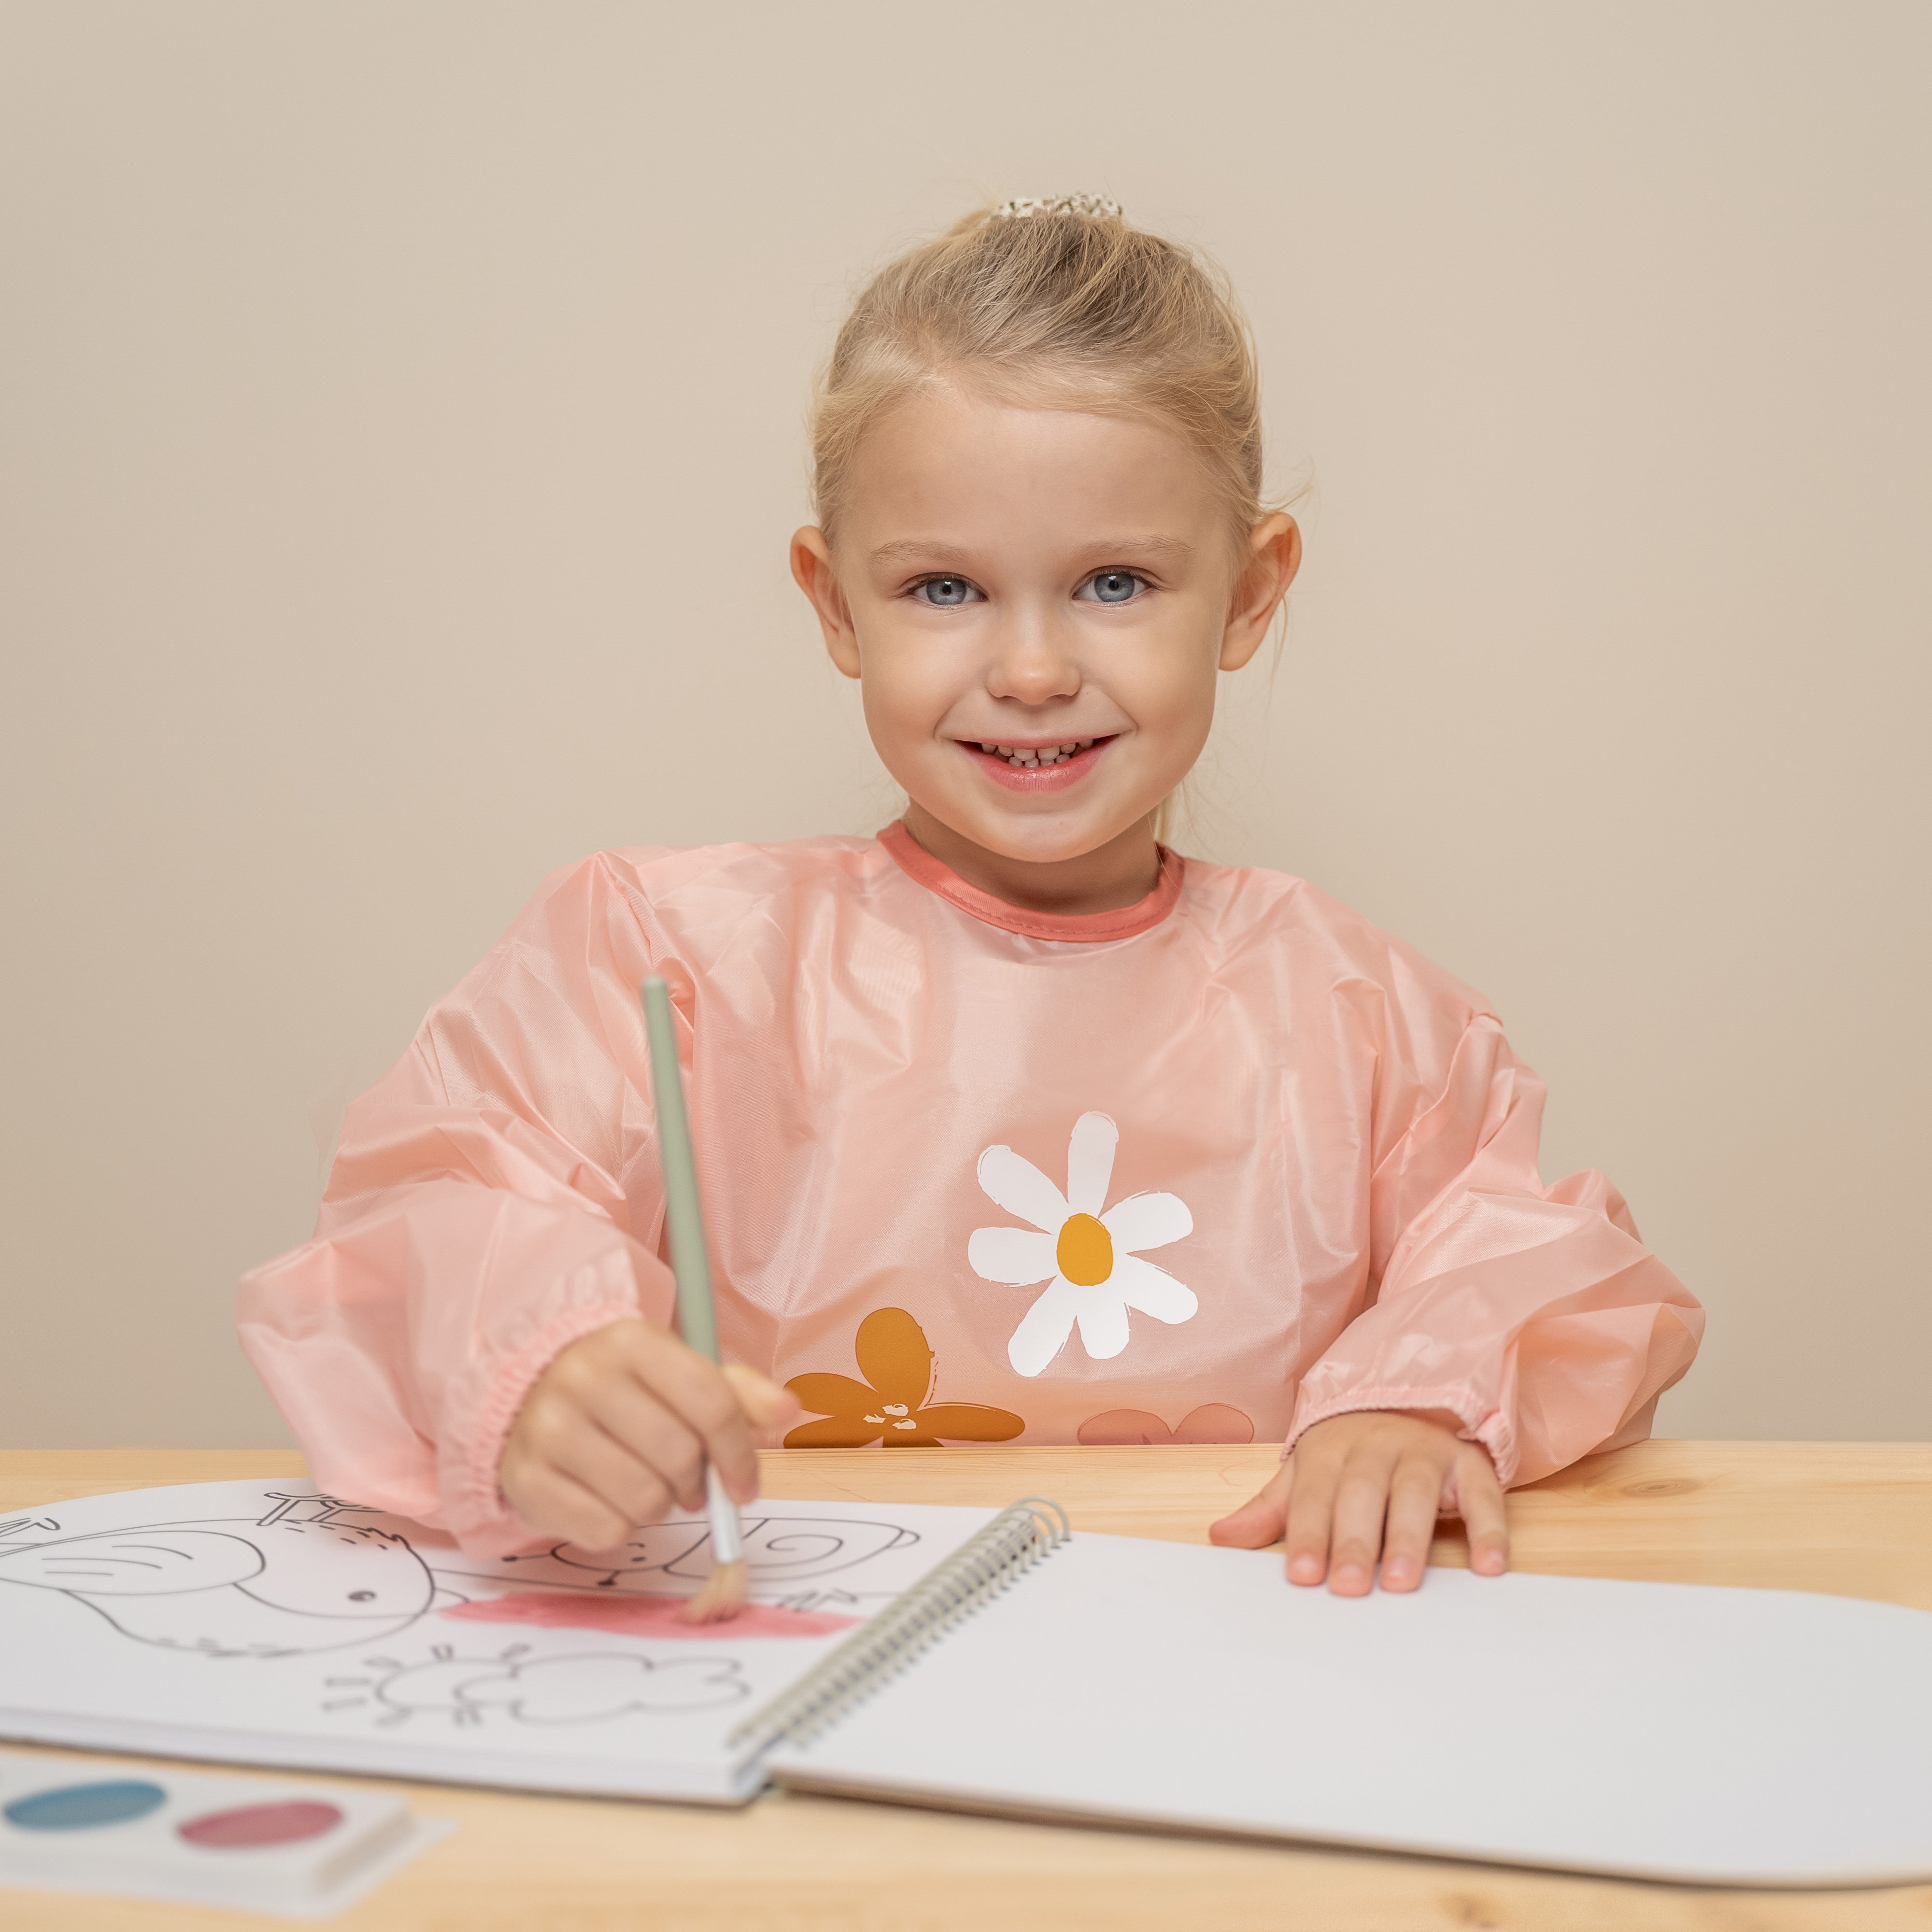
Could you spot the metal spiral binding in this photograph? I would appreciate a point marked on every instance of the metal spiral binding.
(982, 1568)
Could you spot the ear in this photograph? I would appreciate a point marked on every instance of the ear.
(1274, 557)
(811, 569)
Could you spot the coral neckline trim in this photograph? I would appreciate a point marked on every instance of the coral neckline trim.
(1090, 928)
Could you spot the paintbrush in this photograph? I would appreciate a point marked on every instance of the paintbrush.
(723, 1594)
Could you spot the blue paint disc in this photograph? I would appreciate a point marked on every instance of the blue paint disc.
(79, 1808)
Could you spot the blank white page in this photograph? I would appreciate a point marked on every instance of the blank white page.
(1746, 1737)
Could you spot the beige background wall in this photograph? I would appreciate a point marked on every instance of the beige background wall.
(401, 434)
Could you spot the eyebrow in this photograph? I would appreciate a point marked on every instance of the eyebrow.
(909, 548)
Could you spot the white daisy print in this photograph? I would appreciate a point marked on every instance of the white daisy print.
(1090, 1261)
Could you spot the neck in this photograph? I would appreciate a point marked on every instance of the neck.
(1121, 873)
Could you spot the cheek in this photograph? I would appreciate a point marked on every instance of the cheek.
(903, 697)
(1169, 692)
(1176, 746)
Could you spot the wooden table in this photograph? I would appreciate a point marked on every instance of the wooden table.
(1855, 1518)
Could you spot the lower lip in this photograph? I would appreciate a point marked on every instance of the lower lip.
(1036, 777)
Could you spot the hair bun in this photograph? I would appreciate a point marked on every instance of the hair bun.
(1089, 207)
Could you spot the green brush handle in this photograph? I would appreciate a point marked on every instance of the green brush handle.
(697, 1321)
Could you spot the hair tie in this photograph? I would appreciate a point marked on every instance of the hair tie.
(1090, 207)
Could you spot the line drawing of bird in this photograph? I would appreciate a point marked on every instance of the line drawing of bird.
(302, 1577)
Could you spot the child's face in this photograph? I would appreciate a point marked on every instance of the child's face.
(1060, 585)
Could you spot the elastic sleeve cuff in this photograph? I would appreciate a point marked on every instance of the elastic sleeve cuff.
(480, 1515)
(1491, 1428)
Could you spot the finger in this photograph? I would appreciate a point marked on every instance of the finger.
(1311, 1514)
(1262, 1518)
(561, 1431)
(640, 1424)
(1479, 1500)
(696, 1391)
(555, 1504)
(1355, 1541)
(766, 1405)
(628, 1486)
(1414, 1501)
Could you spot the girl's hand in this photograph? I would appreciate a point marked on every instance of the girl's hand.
(1372, 1484)
(619, 1427)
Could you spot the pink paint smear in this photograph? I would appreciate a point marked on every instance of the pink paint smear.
(643, 1616)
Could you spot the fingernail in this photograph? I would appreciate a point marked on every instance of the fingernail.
(1352, 1577)
(1398, 1569)
(1306, 1569)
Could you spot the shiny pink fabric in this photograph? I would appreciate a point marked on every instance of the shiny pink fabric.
(1312, 1155)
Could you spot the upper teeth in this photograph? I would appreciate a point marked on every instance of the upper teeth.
(1026, 756)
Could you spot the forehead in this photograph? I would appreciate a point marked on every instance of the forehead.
(948, 462)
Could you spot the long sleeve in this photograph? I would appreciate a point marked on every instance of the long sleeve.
(1533, 1314)
(484, 1211)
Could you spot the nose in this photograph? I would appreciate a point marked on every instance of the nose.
(1032, 660)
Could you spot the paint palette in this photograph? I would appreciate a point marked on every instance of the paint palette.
(254, 1844)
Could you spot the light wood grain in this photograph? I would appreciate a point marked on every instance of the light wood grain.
(1851, 1518)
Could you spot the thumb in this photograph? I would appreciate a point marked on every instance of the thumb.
(765, 1404)
(1262, 1520)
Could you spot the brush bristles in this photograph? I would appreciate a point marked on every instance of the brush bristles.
(722, 1597)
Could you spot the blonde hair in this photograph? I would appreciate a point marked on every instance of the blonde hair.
(1060, 302)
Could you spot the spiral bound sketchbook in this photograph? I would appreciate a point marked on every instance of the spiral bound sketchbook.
(990, 1661)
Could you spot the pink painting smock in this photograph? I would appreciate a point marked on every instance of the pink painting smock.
(1212, 1168)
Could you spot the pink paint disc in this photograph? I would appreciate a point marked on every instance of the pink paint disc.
(284, 1824)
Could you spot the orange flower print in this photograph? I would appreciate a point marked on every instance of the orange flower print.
(1212, 1422)
(889, 1406)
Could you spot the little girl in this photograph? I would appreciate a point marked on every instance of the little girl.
(1013, 1124)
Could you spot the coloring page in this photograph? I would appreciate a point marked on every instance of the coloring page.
(272, 1611)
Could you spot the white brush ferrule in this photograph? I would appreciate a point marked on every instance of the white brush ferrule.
(728, 1537)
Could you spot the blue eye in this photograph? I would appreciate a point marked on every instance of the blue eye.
(1112, 586)
(945, 592)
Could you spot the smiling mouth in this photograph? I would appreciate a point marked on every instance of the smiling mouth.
(1038, 757)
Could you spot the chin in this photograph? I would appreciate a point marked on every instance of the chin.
(1042, 844)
